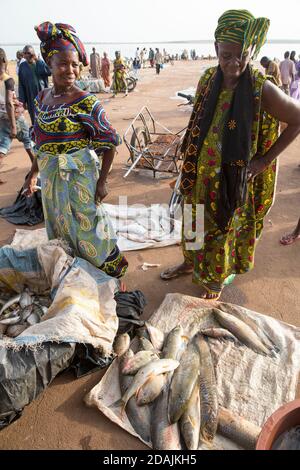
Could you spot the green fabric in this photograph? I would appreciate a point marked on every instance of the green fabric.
(240, 27)
(232, 252)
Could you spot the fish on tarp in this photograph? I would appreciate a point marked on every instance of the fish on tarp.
(133, 364)
(242, 331)
(145, 344)
(183, 382)
(157, 337)
(229, 308)
(238, 429)
(219, 333)
(190, 421)
(151, 389)
(156, 367)
(10, 302)
(121, 344)
(164, 436)
(174, 344)
(138, 416)
(208, 391)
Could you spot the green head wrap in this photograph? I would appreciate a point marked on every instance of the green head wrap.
(240, 27)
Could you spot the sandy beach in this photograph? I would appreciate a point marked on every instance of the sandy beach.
(59, 419)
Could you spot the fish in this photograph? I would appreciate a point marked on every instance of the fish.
(151, 389)
(11, 319)
(242, 331)
(172, 349)
(26, 312)
(209, 406)
(238, 429)
(139, 360)
(25, 299)
(10, 302)
(121, 344)
(228, 308)
(138, 416)
(145, 344)
(174, 344)
(219, 333)
(157, 337)
(164, 436)
(183, 382)
(288, 440)
(15, 330)
(189, 422)
(156, 367)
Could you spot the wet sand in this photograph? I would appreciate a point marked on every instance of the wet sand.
(59, 419)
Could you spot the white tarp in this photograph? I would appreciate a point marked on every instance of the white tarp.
(137, 227)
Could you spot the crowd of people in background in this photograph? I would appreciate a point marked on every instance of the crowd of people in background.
(286, 74)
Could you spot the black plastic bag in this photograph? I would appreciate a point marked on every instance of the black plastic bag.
(25, 373)
(25, 210)
(130, 306)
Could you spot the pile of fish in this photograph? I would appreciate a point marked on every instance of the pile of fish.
(21, 311)
(169, 389)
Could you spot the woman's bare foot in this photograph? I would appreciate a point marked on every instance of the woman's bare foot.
(209, 295)
(290, 238)
(176, 271)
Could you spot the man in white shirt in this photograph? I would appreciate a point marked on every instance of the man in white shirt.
(288, 72)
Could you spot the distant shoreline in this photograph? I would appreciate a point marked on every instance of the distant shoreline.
(199, 41)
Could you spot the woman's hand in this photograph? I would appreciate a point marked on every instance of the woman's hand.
(257, 165)
(30, 184)
(101, 191)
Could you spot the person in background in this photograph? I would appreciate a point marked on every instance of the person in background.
(158, 58)
(288, 72)
(151, 57)
(105, 69)
(20, 60)
(291, 237)
(69, 123)
(295, 85)
(135, 67)
(272, 69)
(33, 77)
(119, 79)
(143, 57)
(229, 157)
(95, 64)
(12, 120)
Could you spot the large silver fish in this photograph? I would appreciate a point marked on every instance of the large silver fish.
(133, 364)
(208, 391)
(242, 331)
(157, 367)
(183, 382)
(238, 429)
(164, 436)
(151, 389)
(139, 416)
(228, 308)
(219, 333)
(190, 420)
(175, 344)
(121, 344)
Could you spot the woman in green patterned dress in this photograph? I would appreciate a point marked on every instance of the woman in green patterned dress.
(68, 124)
(230, 150)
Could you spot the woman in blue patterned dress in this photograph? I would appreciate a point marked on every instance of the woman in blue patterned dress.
(68, 124)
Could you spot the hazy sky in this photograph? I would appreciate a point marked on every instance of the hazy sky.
(140, 20)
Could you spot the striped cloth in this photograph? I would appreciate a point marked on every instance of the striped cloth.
(240, 27)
